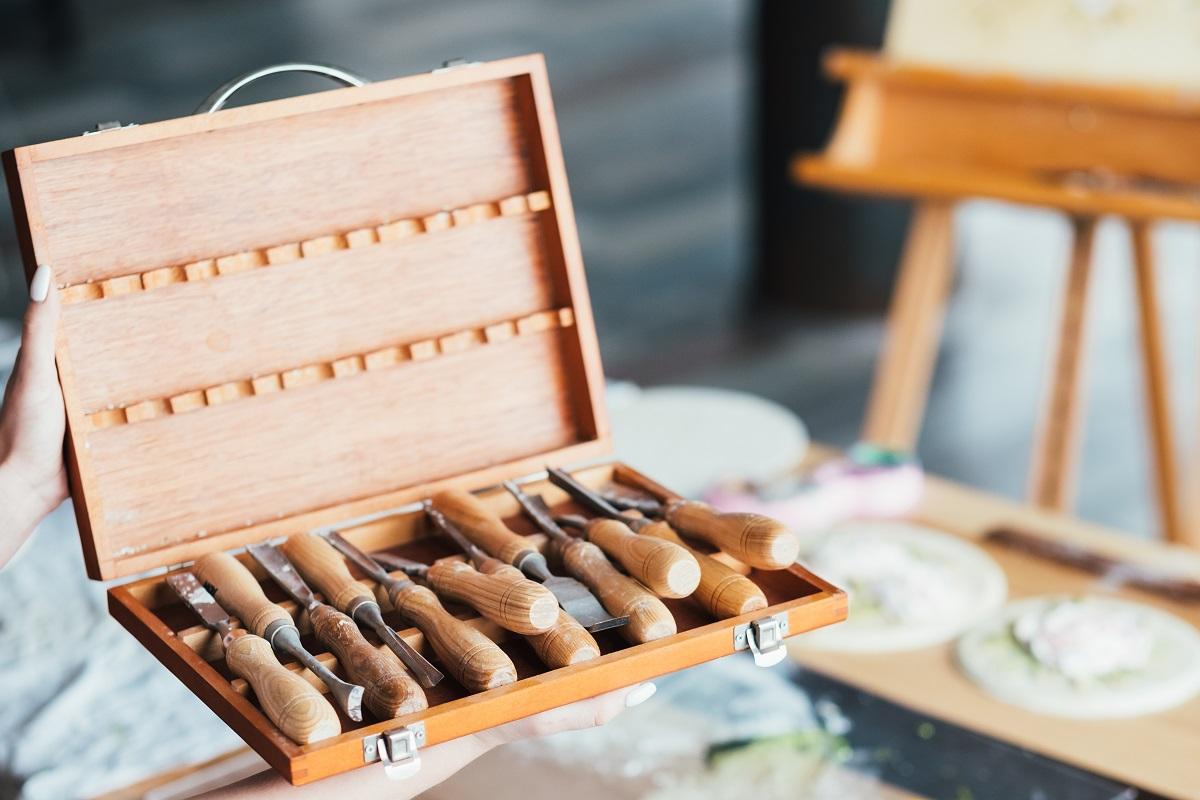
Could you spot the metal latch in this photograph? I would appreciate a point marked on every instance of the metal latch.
(397, 749)
(764, 638)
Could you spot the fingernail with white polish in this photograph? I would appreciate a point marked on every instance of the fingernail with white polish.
(39, 287)
(640, 694)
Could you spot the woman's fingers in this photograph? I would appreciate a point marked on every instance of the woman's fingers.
(589, 713)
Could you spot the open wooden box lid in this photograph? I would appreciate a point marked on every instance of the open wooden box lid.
(286, 314)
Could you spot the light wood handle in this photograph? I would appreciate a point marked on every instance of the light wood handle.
(665, 568)
(324, 568)
(566, 643)
(236, 589)
(391, 691)
(521, 606)
(621, 595)
(751, 538)
(722, 592)
(473, 659)
(296, 708)
(480, 524)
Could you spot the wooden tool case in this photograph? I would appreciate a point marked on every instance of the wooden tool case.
(322, 309)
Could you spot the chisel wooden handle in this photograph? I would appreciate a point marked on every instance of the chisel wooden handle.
(722, 592)
(291, 702)
(751, 538)
(324, 568)
(473, 659)
(391, 691)
(523, 607)
(236, 589)
(665, 568)
(621, 595)
(566, 642)
(480, 524)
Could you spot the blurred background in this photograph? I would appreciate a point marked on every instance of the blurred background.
(707, 264)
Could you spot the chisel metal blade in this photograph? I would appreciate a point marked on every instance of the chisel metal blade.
(201, 601)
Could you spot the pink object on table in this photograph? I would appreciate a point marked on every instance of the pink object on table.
(869, 482)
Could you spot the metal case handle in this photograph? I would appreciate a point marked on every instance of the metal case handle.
(217, 100)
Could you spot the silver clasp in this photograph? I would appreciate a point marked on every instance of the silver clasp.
(397, 749)
(764, 638)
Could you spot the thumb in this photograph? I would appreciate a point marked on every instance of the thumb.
(41, 324)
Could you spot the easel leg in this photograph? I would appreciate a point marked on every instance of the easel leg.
(1056, 445)
(914, 328)
(1158, 395)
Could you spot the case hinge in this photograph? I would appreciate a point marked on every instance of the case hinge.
(764, 638)
(455, 63)
(397, 749)
(103, 127)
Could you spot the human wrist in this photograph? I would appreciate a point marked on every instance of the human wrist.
(23, 506)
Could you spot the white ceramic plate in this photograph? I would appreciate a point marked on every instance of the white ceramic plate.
(977, 589)
(994, 659)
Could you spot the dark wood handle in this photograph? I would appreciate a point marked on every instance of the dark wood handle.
(473, 659)
(665, 568)
(291, 702)
(391, 691)
(480, 524)
(521, 606)
(238, 592)
(751, 538)
(722, 592)
(325, 569)
(621, 595)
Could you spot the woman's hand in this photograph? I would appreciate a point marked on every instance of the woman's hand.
(33, 480)
(443, 760)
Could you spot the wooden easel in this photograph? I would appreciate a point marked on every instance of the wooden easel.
(940, 136)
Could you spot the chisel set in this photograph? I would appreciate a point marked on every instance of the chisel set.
(307, 350)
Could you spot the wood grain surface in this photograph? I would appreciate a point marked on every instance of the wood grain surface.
(661, 566)
(297, 708)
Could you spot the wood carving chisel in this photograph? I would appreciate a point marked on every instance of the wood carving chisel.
(320, 564)
(565, 642)
(473, 659)
(623, 596)
(485, 529)
(292, 703)
(239, 592)
(391, 691)
(750, 538)
(663, 567)
(722, 592)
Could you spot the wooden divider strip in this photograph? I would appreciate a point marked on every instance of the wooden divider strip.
(345, 366)
(209, 268)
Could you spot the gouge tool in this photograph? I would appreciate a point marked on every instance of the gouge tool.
(239, 592)
(565, 642)
(291, 702)
(623, 596)
(722, 592)
(319, 563)
(391, 691)
(485, 528)
(750, 538)
(473, 659)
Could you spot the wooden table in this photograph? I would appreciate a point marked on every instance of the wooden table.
(1159, 752)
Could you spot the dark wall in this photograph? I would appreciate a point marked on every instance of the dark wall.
(816, 250)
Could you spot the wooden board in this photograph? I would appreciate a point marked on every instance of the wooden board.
(151, 613)
(312, 308)
(1154, 752)
(934, 132)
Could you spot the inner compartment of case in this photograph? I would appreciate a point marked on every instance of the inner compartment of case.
(407, 534)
